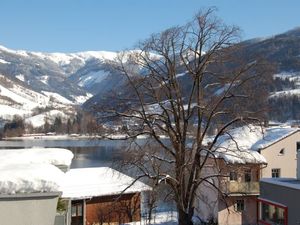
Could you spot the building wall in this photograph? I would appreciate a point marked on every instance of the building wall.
(228, 214)
(283, 195)
(286, 162)
(28, 209)
(211, 205)
(113, 209)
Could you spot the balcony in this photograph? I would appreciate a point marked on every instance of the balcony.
(242, 188)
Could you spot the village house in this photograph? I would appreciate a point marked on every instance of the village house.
(279, 199)
(243, 158)
(101, 195)
(235, 200)
(279, 146)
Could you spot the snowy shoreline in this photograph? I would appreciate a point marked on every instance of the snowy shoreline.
(72, 137)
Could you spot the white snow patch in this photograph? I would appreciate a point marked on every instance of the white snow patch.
(285, 93)
(57, 97)
(81, 98)
(17, 52)
(4, 62)
(32, 170)
(20, 77)
(7, 112)
(44, 79)
(66, 58)
(99, 181)
(93, 77)
(39, 120)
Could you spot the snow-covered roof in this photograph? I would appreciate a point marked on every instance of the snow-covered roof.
(54, 156)
(100, 181)
(285, 182)
(29, 178)
(240, 156)
(240, 145)
(273, 135)
(32, 170)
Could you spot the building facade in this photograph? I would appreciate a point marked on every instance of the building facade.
(281, 155)
(234, 202)
(279, 200)
(101, 195)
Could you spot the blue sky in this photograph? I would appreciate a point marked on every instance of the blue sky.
(80, 25)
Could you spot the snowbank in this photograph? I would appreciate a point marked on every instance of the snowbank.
(101, 181)
(32, 170)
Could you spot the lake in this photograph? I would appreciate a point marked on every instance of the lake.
(87, 152)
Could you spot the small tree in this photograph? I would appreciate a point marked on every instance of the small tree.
(14, 128)
(186, 83)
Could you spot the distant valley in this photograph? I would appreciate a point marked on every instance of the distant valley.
(37, 85)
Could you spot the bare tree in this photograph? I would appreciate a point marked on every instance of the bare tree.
(186, 83)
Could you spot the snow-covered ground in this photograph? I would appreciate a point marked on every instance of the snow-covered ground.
(57, 97)
(39, 120)
(292, 77)
(19, 100)
(161, 218)
(51, 137)
(285, 93)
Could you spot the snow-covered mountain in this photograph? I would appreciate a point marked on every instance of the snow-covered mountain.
(16, 99)
(69, 74)
(282, 53)
(31, 80)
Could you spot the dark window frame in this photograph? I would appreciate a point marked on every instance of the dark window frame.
(240, 205)
(275, 172)
(248, 175)
(233, 176)
(78, 212)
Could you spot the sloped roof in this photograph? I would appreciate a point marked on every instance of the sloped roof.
(100, 181)
(240, 145)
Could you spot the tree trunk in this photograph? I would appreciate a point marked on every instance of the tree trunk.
(184, 218)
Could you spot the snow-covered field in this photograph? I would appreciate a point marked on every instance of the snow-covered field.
(18, 100)
(292, 77)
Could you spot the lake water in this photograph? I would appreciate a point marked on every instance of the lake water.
(87, 153)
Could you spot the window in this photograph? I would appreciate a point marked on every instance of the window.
(248, 175)
(239, 205)
(233, 176)
(281, 152)
(272, 213)
(76, 210)
(275, 172)
(298, 146)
